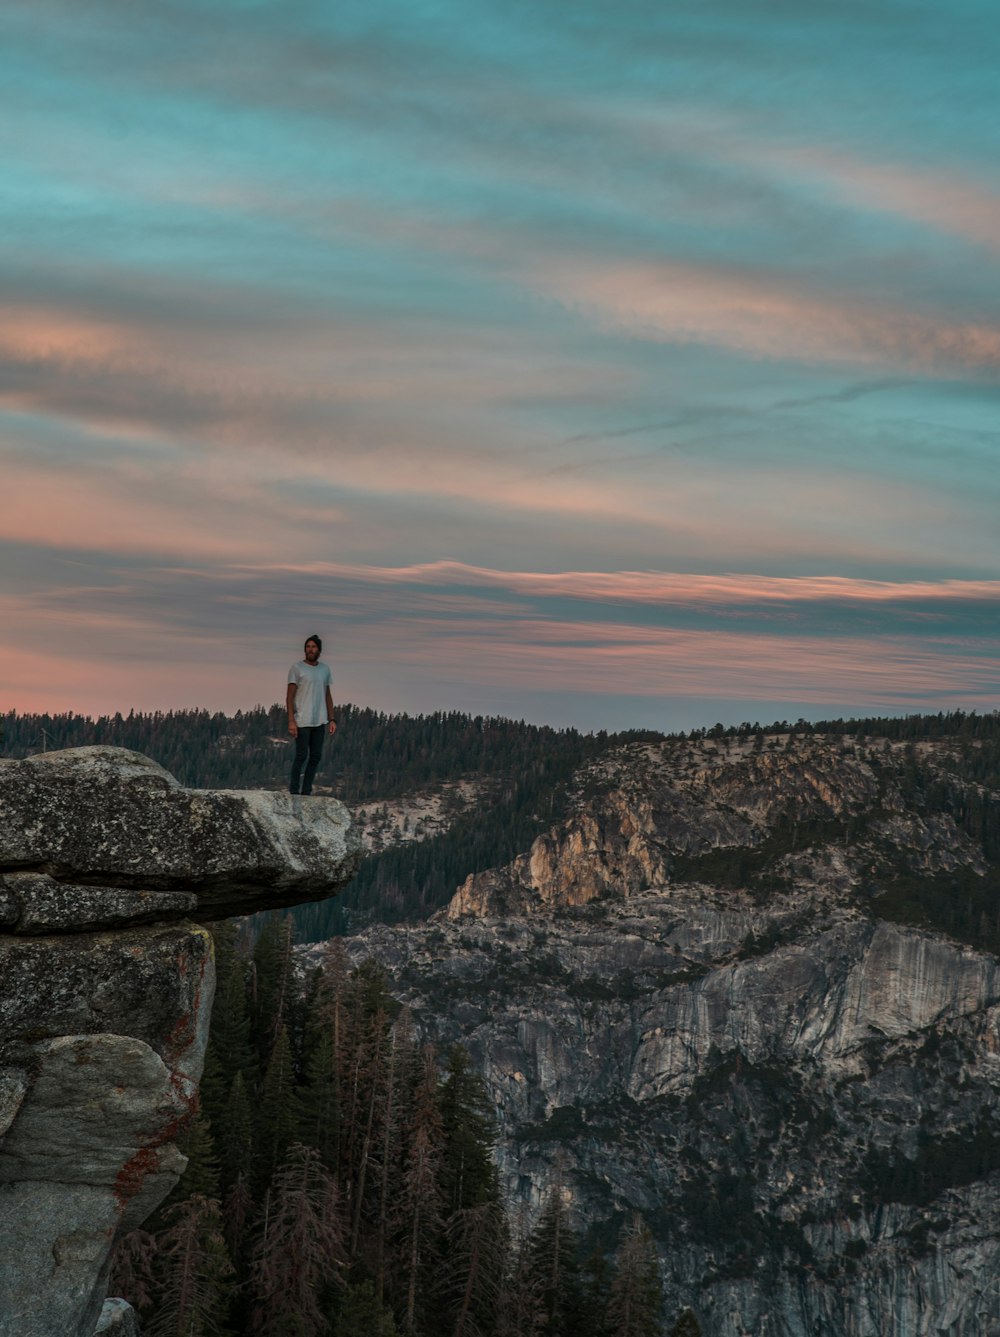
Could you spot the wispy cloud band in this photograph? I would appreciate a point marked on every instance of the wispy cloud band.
(664, 587)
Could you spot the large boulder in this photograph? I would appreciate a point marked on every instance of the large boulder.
(104, 817)
(108, 870)
(118, 1319)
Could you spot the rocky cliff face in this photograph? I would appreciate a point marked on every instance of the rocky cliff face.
(108, 868)
(646, 814)
(687, 997)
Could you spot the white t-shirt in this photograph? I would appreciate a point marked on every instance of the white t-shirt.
(311, 682)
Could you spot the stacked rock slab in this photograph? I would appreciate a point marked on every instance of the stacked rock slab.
(109, 870)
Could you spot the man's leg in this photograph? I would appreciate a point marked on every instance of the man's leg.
(315, 752)
(301, 753)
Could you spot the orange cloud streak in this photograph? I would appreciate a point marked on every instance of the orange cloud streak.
(662, 587)
(36, 332)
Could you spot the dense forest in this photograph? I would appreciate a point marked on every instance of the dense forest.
(341, 1184)
(374, 755)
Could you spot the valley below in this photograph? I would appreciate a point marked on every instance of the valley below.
(716, 995)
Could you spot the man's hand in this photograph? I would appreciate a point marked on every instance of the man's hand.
(333, 727)
(293, 728)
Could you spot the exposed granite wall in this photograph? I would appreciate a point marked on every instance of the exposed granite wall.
(800, 1099)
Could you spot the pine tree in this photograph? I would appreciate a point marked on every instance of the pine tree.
(521, 1311)
(229, 1049)
(401, 1054)
(235, 1147)
(371, 1009)
(278, 1126)
(474, 1270)
(194, 1273)
(237, 1218)
(299, 1254)
(327, 1045)
(419, 1213)
(361, 1314)
(201, 1175)
(474, 1252)
(553, 1273)
(596, 1287)
(635, 1303)
(272, 985)
(468, 1176)
(132, 1268)
(318, 1097)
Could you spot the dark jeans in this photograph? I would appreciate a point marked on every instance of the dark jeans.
(308, 750)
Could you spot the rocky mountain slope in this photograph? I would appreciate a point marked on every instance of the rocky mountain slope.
(421, 815)
(108, 869)
(720, 993)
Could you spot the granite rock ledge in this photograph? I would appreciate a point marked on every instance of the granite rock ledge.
(109, 870)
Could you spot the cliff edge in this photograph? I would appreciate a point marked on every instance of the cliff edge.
(109, 870)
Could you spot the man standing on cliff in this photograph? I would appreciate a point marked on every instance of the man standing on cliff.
(310, 713)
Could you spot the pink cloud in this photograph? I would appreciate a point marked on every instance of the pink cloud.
(950, 202)
(765, 316)
(105, 683)
(307, 376)
(39, 332)
(128, 510)
(946, 201)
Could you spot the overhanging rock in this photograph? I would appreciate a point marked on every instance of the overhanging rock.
(106, 818)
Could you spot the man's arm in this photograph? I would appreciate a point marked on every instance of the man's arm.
(293, 728)
(329, 711)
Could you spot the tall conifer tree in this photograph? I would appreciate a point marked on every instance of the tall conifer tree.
(361, 1314)
(474, 1270)
(194, 1282)
(635, 1304)
(272, 984)
(419, 1210)
(469, 1177)
(235, 1144)
(299, 1254)
(553, 1269)
(278, 1125)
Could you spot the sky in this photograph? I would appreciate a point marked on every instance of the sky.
(601, 364)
